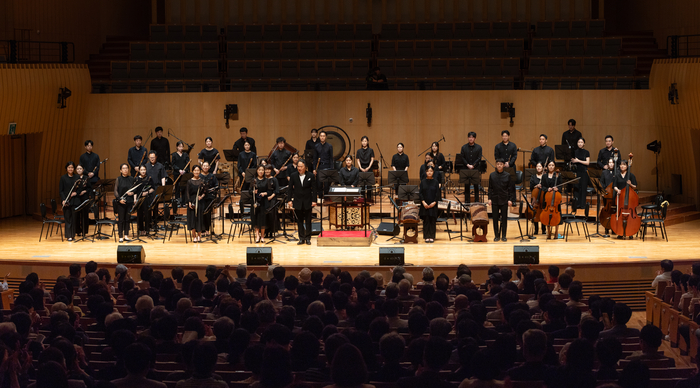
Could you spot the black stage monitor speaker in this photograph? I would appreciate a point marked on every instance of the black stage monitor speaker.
(388, 229)
(391, 256)
(526, 254)
(259, 256)
(315, 228)
(131, 254)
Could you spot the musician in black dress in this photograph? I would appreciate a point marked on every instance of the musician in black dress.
(607, 178)
(84, 189)
(271, 223)
(279, 159)
(437, 174)
(238, 145)
(179, 161)
(536, 182)
(506, 151)
(349, 175)
(429, 192)
(438, 157)
(143, 216)
(365, 155)
(261, 189)
(161, 145)
(210, 189)
(194, 195)
(295, 163)
(302, 197)
(399, 162)
(542, 154)
(124, 199)
(246, 159)
(608, 152)
(323, 160)
(471, 157)
(311, 145)
(69, 199)
(501, 196)
(156, 171)
(570, 137)
(550, 180)
(623, 179)
(580, 161)
(210, 155)
(90, 162)
(136, 155)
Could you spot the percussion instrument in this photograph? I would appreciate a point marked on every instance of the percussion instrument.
(449, 205)
(409, 213)
(478, 212)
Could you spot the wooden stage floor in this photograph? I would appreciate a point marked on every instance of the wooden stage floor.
(21, 244)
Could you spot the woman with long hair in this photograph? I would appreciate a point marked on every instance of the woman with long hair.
(124, 199)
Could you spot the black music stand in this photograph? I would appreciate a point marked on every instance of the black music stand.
(220, 204)
(163, 194)
(600, 191)
(511, 171)
(396, 207)
(153, 205)
(563, 152)
(469, 178)
(366, 179)
(330, 177)
(134, 209)
(395, 179)
(529, 172)
(567, 176)
(464, 209)
(88, 203)
(284, 194)
(212, 236)
(409, 193)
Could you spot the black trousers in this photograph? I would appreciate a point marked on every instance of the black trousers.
(581, 189)
(429, 227)
(303, 223)
(70, 216)
(500, 220)
(468, 194)
(537, 224)
(123, 217)
(83, 221)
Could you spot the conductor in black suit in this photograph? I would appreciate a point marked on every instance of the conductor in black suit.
(302, 191)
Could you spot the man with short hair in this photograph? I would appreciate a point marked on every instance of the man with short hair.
(238, 145)
(505, 150)
(436, 355)
(90, 162)
(204, 359)
(564, 281)
(241, 271)
(471, 157)
(570, 137)
(542, 154)
(534, 350)
(280, 159)
(572, 316)
(404, 291)
(501, 196)
(650, 340)
(621, 315)
(608, 152)
(136, 155)
(161, 145)
(137, 359)
(664, 274)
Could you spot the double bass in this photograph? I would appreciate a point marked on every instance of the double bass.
(626, 222)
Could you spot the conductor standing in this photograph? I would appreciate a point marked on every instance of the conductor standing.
(302, 191)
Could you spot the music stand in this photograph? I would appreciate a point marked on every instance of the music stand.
(461, 222)
(599, 190)
(86, 204)
(250, 174)
(469, 178)
(163, 194)
(398, 177)
(562, 152)
(367, 179)
(409, 193)
(511, 171)
(220, 204)
(134, 209)
(567, 176)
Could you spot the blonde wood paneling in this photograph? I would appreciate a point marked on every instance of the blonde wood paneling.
(414, 118)
(28, 97)
(677, 125)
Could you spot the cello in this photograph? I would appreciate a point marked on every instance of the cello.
(606, 211)
(550, 215)
(626, 222)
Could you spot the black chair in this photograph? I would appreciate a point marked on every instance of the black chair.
(243, 222)
(659, 222)
(570, 221)
(174, 224)
(653, 210)
(45, 220)
(54, 209)
(101, 222)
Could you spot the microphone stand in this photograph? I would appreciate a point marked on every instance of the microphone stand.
(189, 146)
(381, 176)
(431, 146)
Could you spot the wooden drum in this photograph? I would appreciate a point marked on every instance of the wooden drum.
(479, 213)
(409, 214)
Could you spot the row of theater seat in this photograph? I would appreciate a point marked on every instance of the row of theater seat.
(140, 51)
(363, 31)
(623, 66)
(451, 67)
(165, 70)
(301, 50)
(576, 47)
(454, 48)
(585, 83)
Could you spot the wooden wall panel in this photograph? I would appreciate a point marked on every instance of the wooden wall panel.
(678, 128)
(412, 117)
(28, 95)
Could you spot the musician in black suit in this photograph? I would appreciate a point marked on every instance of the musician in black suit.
(501, 195)
(302, 197)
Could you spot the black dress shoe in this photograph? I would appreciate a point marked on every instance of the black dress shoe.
(301, 242)
(308, 241)
(496, 239)
(504, 239)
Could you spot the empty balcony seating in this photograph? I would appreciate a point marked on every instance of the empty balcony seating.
(570, 29)
(174, 51)
(576, 47)
(163, 70)
(300, 50)
(623, 66)
(297, 32)
(447, 49)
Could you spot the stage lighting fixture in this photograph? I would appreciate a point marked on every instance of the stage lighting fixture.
(673, 94)
(654, 146)
(507, 107)
(230, 112)
(63, 94)
(368, 113)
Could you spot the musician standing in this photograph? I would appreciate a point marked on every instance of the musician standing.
(622, 180)
(210, 190)
(471, 157)
(246, 159)
(271, 225)
(302, 197)
(179, 161)
(143, 217)
(69, 199)
(349, 175)
(570, 137)
(209, 154)
(536, 183)
(121, 189)
(608, 152)
(607, 178)
(365, 155)
(580, 161)
(550, 180)
(438, 157)
(279, 159)
(193, 199)
(238, 145)
(84, 189)
(90, 162)
(543, 153)
(261, 190)
(501, 196)
(161, 145)
(429, 193)
(505, 150)
(156, 171)
(437, 174)
(323, 159)
(136, 155)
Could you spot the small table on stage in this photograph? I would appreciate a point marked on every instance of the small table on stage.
(350, 214)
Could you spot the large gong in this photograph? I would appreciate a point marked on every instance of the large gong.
(339, 139)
